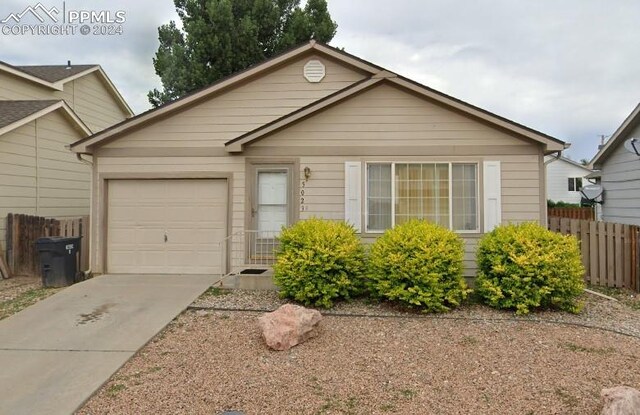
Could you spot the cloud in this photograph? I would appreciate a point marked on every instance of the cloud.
(566, 68)
(126, 58)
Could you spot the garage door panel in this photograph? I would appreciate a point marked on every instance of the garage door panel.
(199, 237)
(191, 213)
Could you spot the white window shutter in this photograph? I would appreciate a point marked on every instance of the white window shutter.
(492, 195)
(353, 194)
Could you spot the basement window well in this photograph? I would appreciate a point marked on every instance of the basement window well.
(253, 271)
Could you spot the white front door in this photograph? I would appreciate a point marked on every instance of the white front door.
(272, 202)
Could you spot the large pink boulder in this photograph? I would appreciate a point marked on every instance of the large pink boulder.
(621, 400)
(288, 326)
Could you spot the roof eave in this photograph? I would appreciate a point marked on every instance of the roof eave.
(550, 144)
(629, 123)
(86, 146)
(80, 126)
(53, 85)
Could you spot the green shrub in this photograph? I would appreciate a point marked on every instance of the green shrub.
(418, 264)
(561, 204)
(318, 262)
(527, 266)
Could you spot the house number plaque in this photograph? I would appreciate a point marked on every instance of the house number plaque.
(303, 206)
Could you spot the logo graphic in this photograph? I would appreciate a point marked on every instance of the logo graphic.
(40, 20)
(36, 12)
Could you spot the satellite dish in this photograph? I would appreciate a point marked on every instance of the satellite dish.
(633, 146)
(593, 193)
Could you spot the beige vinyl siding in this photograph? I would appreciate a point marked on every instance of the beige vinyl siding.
(94, 103)
(15, 88)
(383, 121)
(324, 191)
(38, 175)
(621, 183)
(242, 109)
(386, 113)
(17, 174)
(63, 181)
(88, 96)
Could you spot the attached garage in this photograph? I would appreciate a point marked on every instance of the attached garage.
(166, 226)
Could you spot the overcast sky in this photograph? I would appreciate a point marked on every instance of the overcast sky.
(568, 68)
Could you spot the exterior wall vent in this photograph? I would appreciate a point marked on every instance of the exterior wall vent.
(314, 71)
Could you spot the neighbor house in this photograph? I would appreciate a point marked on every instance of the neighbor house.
(86, 89)
(43, 109)
(565, 178)
(620, 173)
(201, 184)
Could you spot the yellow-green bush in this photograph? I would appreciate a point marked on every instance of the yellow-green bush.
(526, 266)
(418, 264)
(318, 262)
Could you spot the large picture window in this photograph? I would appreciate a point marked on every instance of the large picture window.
(444, 193)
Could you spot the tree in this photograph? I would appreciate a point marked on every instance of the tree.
(584, 162)
(221, 37)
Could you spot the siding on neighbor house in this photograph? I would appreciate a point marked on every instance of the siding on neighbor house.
(217, 120)
(558, 173)
(88, 96)
(621, 183)
(93, 102)
(38, 175)
(383, 124)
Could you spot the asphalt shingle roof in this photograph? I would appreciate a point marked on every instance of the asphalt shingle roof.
(54, 73)
(12, 111)
(50, 73)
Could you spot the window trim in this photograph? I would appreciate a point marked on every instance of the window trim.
(365, 200)
(574, 180)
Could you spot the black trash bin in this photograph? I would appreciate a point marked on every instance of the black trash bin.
(58, 260)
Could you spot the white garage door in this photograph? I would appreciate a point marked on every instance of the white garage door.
(166, 226)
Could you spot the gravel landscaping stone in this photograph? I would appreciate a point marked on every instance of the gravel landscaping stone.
(18, 293)
(472, 360)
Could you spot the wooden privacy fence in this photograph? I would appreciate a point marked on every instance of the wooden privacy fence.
(585, 213)
(23, 231)
(610, 251)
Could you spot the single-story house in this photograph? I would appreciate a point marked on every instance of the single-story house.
(565, 178)
(43, 109)
(620, 173)
(202, 184)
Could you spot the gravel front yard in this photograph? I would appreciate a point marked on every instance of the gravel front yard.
(17, 293)
(473, 360)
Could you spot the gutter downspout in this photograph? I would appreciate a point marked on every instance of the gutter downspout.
(85, 161)
(557, 154)
(88, 273)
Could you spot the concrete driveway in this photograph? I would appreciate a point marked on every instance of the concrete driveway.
(55, 354)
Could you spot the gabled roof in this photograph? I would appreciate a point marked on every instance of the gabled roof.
(236, 145)
(13, 111)
(14, 114)
(54, 73)
(619, 136)
(55, 76)
(568, 160)
(221, 85)
(376, 76)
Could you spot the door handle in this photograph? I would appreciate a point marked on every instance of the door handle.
(253, 212)
(165, 238)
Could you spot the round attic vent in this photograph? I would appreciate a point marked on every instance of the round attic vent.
(314, 71)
